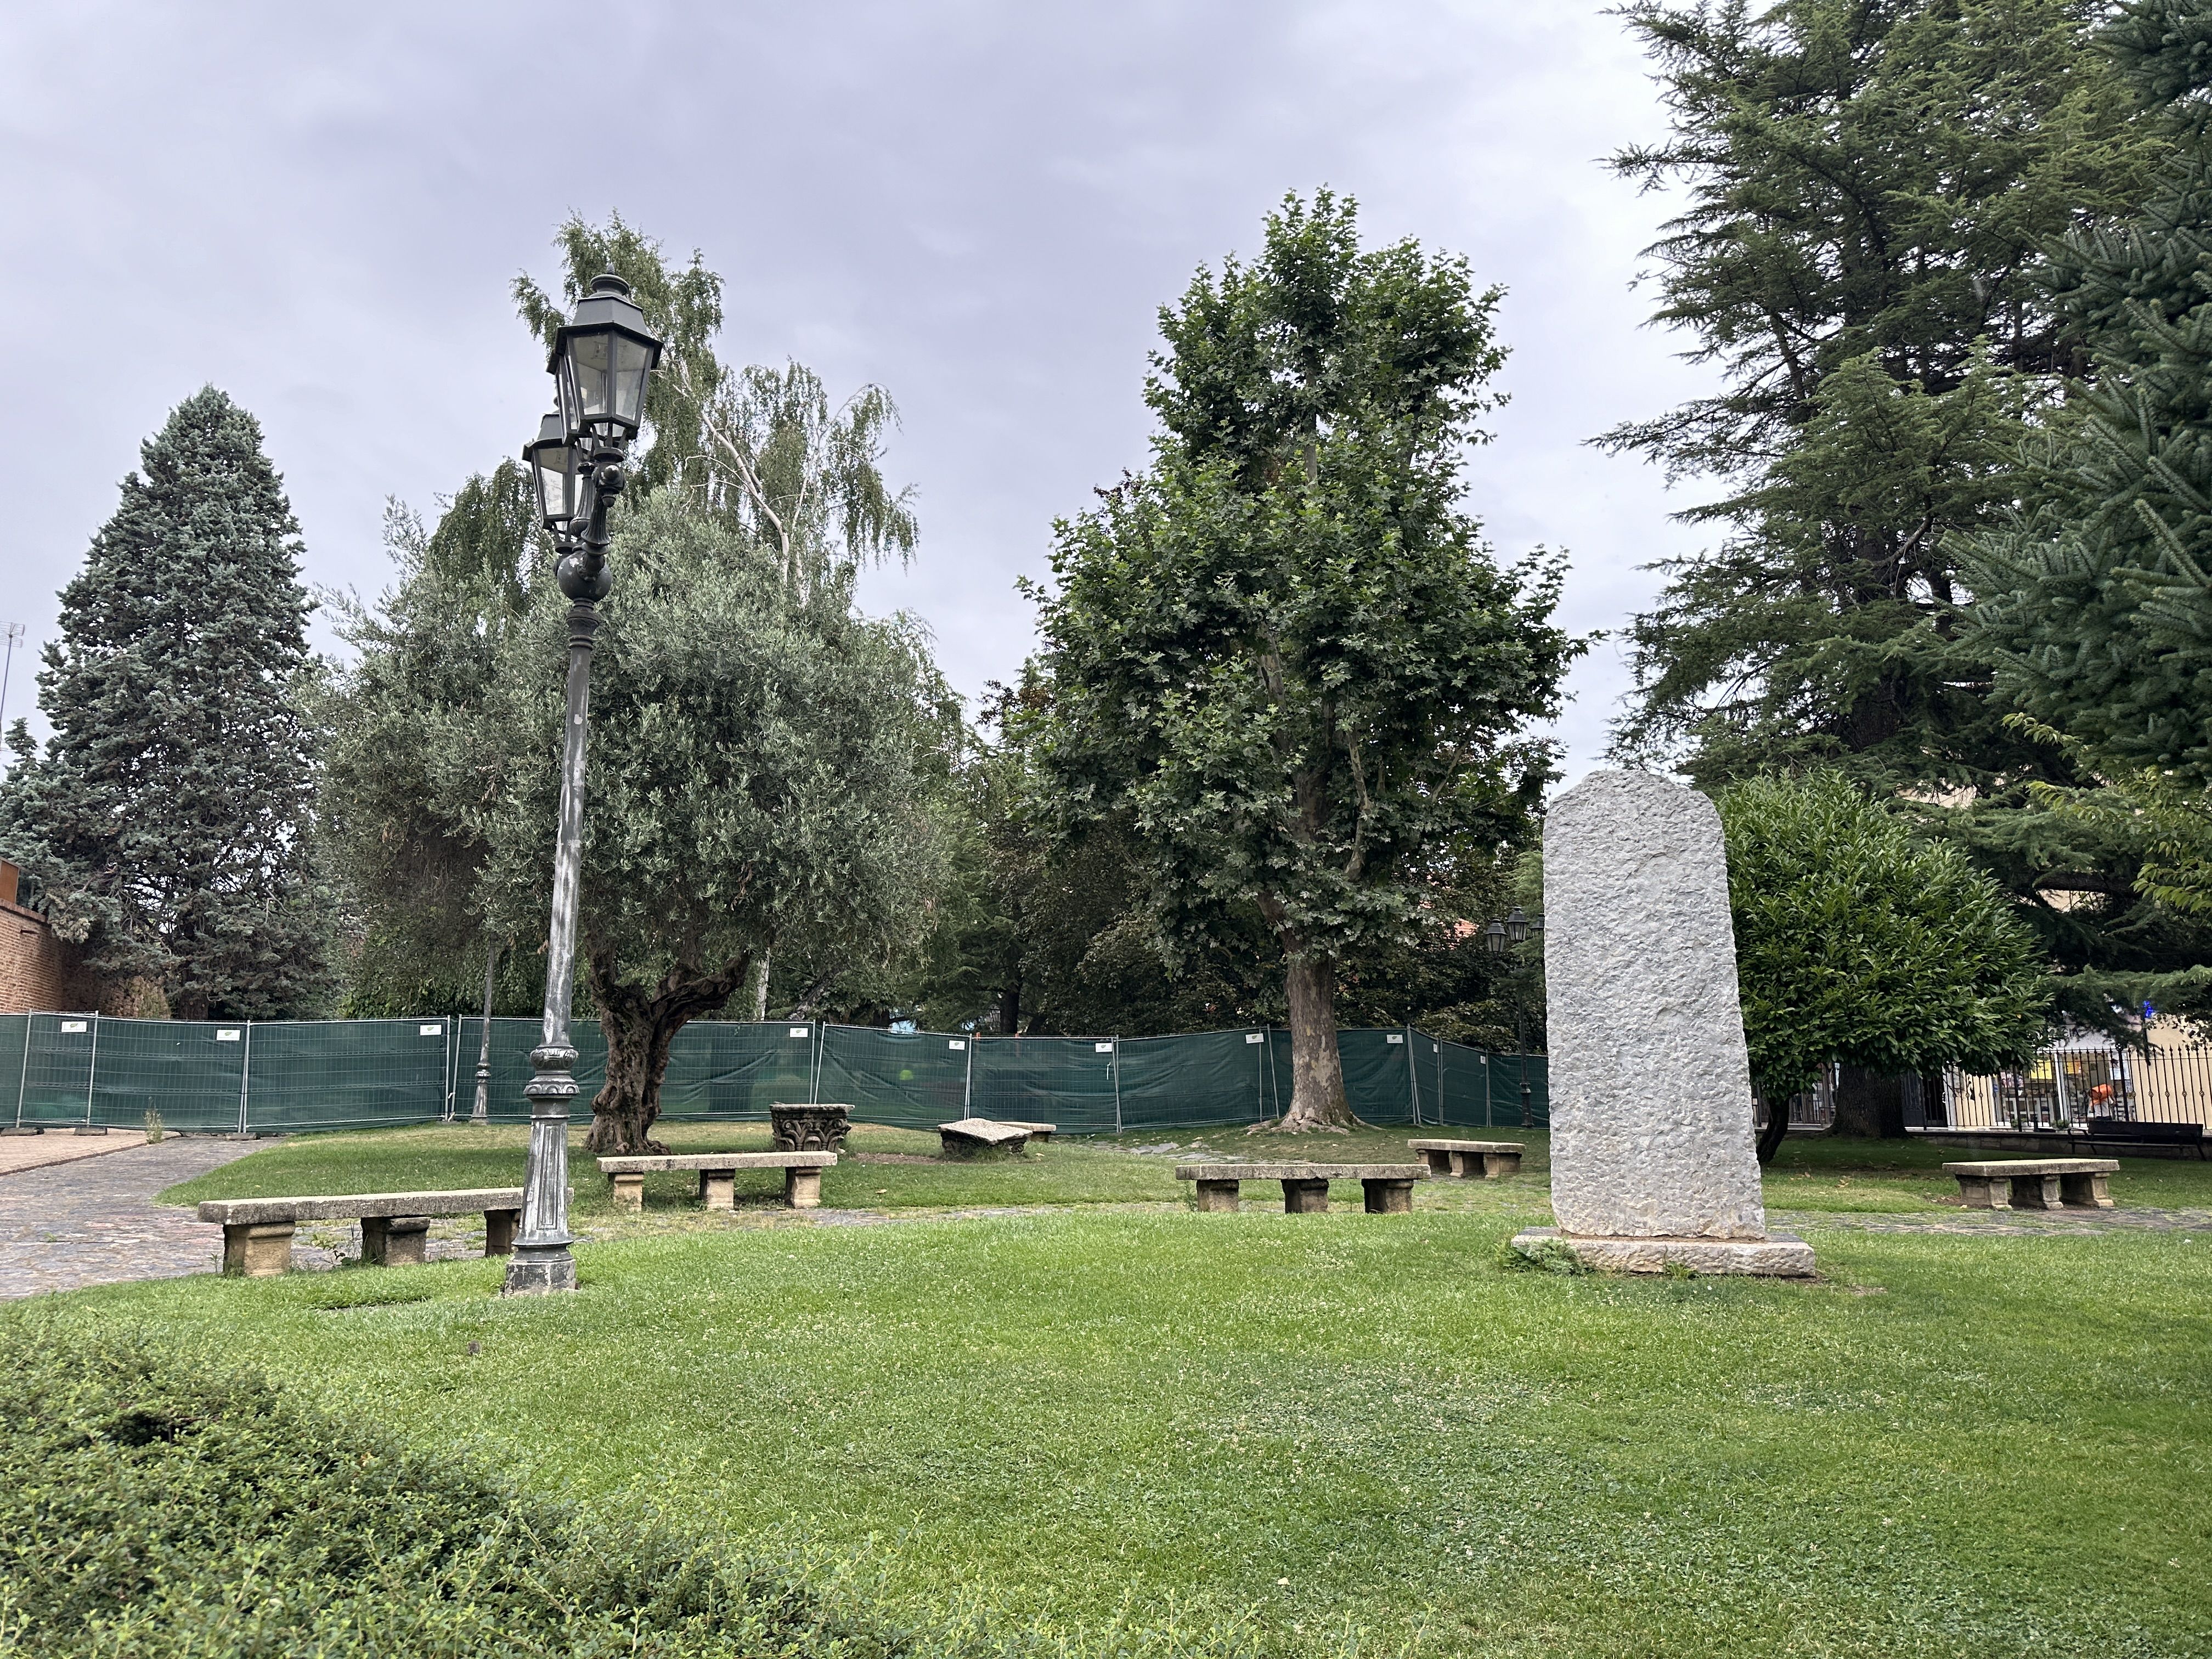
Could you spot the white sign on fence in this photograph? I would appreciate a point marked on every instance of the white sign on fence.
(430, 1031)
(1255, 1036)
(802, 1030)
(956, 1043)
(226, 1036)
(69, 1025)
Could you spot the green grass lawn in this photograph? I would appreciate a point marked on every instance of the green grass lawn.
(899, 1169)
(1338, 1434)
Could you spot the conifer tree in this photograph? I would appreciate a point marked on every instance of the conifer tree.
(170, 814)
(2097, 600)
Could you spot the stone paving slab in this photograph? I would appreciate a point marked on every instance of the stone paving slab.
(60, 1146)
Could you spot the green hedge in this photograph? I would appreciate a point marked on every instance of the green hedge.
(158, 1506)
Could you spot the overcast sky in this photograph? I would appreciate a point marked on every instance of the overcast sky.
(979, 204)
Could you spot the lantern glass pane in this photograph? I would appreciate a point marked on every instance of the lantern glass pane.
(589, 359)
(553, 482)
(632, 360)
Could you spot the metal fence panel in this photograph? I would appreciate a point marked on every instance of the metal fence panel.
(1198, 1079)
(731, 1072)
(57, 1069)
(344, 1074)
(270, 1077)
(512, 1040)
(910, 1079)
(15, 1049)
(193, 1073)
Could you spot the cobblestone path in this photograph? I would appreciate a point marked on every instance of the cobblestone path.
(94, 1221)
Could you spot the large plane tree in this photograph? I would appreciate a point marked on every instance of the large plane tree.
(1281, 657)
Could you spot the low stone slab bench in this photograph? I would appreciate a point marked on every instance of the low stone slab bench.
(2035, 1183)
(1036, 1131)
(971, 1137)
(1388, 1187)
(1470, 1160)
(717, 1173)
(257, 1232)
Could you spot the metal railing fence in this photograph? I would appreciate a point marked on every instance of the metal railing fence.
(2066, 1085)
(274, 1077)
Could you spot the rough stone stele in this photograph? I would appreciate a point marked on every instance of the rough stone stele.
(1652, 1136)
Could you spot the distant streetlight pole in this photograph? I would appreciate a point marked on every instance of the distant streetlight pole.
(601, 360)
(1501, 937)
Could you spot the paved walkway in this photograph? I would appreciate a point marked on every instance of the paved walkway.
(92, 1220)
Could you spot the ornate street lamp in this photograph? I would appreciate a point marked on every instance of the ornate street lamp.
(1501, 937)
(601, 360)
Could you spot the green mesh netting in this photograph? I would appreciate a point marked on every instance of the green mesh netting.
(193, 1074)
(352, 1073)
(912, 1079)
(269, 1078)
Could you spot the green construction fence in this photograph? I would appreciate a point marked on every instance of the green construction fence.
(273, 1077)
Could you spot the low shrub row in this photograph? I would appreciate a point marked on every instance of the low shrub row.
(161, 1504)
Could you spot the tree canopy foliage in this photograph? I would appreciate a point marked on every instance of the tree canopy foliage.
(1858, 942)
(1280, 656)
(768, 769)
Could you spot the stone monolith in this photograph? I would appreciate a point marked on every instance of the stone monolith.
(1653, 1157)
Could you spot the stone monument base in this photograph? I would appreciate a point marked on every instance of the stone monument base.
(1778, 1255)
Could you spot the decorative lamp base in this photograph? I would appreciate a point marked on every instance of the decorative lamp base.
(539, 1270)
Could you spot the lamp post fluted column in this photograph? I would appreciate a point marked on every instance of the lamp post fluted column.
(542, 1262)
(601, 360)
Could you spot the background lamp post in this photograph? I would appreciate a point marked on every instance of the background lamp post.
(1501, 937)
(601, 360)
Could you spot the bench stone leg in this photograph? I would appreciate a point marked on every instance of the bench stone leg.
(1218, 1195)
(500, 1228)
(629, 1192)
(1495, 1164)
(802, 1188)
(2036, 1193)
(256, 1250)
(394, 1241)
(1441, 1163)
(1305, 1198)
(1387, 1197)
(2085, 1190)
(1982, 1193)
(718, 1190)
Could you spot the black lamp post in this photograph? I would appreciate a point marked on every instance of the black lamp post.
(601, 360)
(1501, 937)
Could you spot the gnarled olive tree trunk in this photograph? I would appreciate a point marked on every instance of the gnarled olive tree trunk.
(641, 1022)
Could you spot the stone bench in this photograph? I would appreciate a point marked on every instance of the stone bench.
(1470, 1160)
(257, 1232)
(1036, 1131)
(2034, 1183)
(972, 1137)
(718, 1183)
(1388, 1187)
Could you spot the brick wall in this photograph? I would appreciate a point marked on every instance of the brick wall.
(36, 974)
